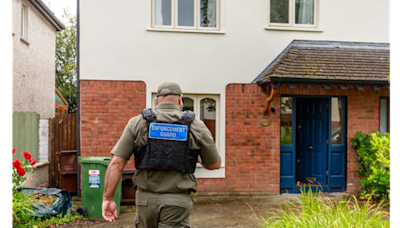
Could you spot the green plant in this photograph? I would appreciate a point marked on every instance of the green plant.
(66, 61)
(52, 222)
(315, 210)
(21, 209)
(134, 209)
(374, 158)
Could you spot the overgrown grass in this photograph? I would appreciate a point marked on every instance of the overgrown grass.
(314, 210)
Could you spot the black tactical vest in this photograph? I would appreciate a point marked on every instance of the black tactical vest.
(161, 154)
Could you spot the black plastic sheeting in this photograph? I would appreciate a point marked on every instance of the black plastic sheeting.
(62, 205)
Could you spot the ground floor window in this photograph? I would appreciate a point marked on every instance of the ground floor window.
(206, 108)
(384, 115)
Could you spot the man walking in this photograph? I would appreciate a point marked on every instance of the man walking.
(166, 144)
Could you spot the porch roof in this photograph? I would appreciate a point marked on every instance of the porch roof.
(329, 62)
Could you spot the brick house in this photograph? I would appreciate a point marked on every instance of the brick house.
(314, 72)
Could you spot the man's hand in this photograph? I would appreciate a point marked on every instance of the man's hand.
(109, 210)
(113, 176)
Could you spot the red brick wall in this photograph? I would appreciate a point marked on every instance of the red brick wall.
(252, 150)
(106, 107)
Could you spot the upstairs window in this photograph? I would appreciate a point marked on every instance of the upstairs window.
(24, 22)
(186, 14)
(293, 13)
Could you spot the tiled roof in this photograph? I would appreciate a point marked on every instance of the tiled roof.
(328, 60)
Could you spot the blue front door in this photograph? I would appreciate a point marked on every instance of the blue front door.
(312, 144)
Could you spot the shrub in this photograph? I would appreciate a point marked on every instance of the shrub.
(374, 158)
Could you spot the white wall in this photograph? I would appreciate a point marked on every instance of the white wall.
(33, 63)
(116, 45)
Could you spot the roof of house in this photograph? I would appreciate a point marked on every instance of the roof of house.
(329, 61)
(47, 14)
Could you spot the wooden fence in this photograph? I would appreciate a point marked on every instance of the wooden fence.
(62, 137)
(26, 134)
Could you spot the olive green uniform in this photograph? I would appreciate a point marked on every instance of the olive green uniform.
(163, 197)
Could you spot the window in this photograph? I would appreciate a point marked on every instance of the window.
(186, 14)
(337, 105)
(24, 22)
(206, 108)
(384, 115)
(286, 120)
(293, 13)
(208, 114)
(162, 12)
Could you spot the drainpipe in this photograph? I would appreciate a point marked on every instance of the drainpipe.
(78, 102)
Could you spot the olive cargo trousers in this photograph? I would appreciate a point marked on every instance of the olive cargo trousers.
(154, 210)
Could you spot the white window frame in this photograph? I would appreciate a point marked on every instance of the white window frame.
(24, 22)
(196, 108)
(194, 16)
(153, 16)
(174, 18)
(220, 126)
(218, 16)
(386, 128)
(292, 17)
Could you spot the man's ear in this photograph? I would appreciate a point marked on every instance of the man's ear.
(156, 100)
(181, 100)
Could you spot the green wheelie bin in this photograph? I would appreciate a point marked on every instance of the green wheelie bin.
(93, 175)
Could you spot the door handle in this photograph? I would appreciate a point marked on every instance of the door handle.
(311, 147)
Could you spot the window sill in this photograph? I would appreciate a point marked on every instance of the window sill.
(205, 173)
(294, 29)
(186, 30)
(24, 41)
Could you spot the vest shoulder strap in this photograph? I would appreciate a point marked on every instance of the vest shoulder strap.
(149, 115)
(188, 116)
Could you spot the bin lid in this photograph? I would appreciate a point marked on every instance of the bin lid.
(95, 160)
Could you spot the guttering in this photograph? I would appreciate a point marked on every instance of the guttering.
(47, 14)
(78, 98)
(275, 79)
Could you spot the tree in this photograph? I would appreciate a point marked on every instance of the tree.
(66, 61)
